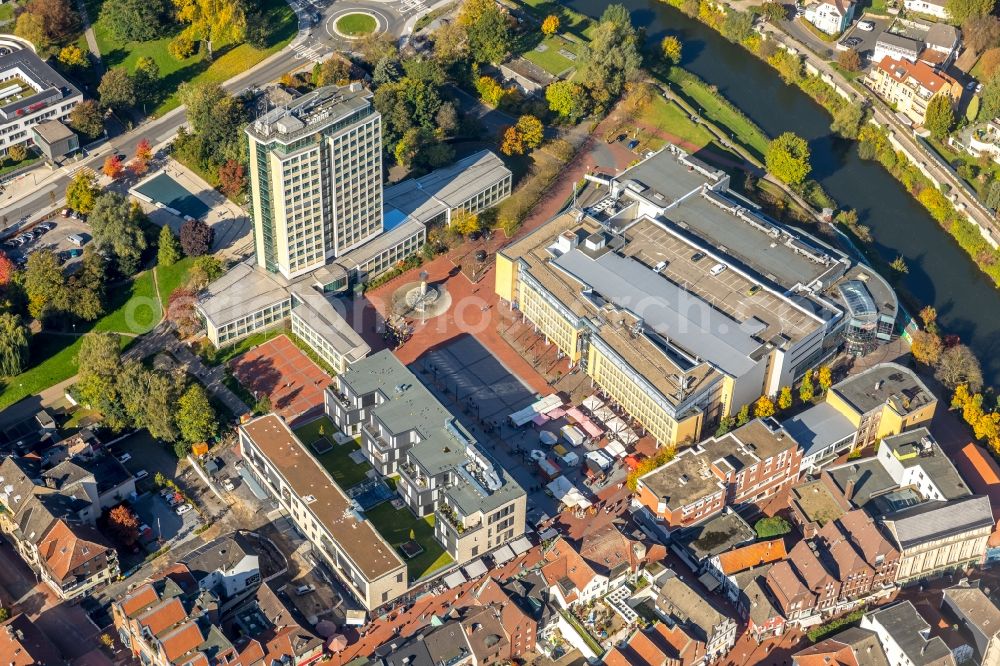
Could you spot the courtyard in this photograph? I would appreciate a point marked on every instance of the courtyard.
(397, 525)
(340, 460)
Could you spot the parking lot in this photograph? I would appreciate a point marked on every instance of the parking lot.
(863, 41)
(56, 238)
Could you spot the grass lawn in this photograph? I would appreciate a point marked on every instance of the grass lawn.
(309, 433)
(7, 165)
(171, 277)
(356, 24)
(229, 60)
(395, 527)
(669, 118)
(568, 19)
(550, 59)
(338, 463)
(6, 11)
(720, 113)
(135, 308)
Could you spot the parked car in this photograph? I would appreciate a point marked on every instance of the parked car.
(166, 492)
(867, 26)
(303, 590)
(173, 500)
(67, 212)
(182, 509)
(228, 485)
(124, 458)
(76, 239)
(141, 474)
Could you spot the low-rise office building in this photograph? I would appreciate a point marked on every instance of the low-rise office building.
(31, 93)
(442, 469)
(884, 400)
(682, 301)
(367, 565)
(746, 466)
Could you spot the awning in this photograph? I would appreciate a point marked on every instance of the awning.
(539, 419)
(564, 491)
(547, 534)
(593, 403)
(556, 413)
(628, 436)
(475, 569)
(575, 414)
(616, 449)
(502, 554)
(709, 581)
(454, 579)
(616, 425)
(255, 488)
(591, 428)
(520, 545)
(604, 413)
(546, 404)
(548, 437)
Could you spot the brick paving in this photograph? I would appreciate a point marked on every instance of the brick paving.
(292, 381)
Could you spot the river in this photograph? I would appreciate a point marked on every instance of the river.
(940, 272)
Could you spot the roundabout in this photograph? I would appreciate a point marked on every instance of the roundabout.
(356, 23)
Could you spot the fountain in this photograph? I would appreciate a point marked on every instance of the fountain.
(420, 299)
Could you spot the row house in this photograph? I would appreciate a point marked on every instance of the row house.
(747, 466)
(679, 604)
(605, 560)
(660, 645)
(847, 561)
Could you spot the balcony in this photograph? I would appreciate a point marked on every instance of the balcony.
(451, 519)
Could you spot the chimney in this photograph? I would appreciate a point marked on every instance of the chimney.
(849, 490)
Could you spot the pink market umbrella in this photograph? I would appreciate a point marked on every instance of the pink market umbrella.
(337, 643)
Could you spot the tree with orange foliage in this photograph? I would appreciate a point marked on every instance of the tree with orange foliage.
(6, 269)
(123, 524)
(512, 143)
(113, 167)
(550, 25)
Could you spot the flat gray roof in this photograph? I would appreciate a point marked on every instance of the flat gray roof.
(319, 314)
(885, 382)
(909, 451)
(934, 520)
(242, 290)
(818, 427)
(52, 130)
(408, 406)
(671, 175)
(427, 197)
(666, 308)
(311, 113)
(869, 476)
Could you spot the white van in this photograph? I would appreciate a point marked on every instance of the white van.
(658, 268)
(718, 268)
(76, 239)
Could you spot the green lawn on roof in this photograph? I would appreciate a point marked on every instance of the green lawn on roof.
(395, 525)
(550, 59)
(337, 461)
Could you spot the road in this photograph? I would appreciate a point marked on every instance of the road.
(313, 43)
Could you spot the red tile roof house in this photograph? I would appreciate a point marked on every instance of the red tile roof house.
(846, 563)
(725, 566)
(605, 560)
(659, 645)
(23, 644)
(749, 465)
(520, 628)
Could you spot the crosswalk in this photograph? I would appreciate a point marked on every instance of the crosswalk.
(410, 6)
(307, 53)
(72, 169)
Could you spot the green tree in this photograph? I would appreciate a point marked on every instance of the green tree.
(775, 526)
(486, 29)
(14, 340)
(671, 48)
(196, 417)
(135, 20)
(960, 11)
(44, 283)
(85, 287)
(147, 77)
(567, 99)
(216, 122)
(613, 56)
(404, 105)
(114, 221)
(737, 25)
(87, 119)
(117, 89)
(82, 191)
(940, 116)
(160, 403)
(972, 110)
(99, 364)
(989, 106)
(788, 159)
(32, 27)
(743, 416)
(785, 398)
(847, 120)
(806, 388)
(169, 251)
(993, 195)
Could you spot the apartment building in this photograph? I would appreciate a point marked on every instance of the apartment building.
(848, 561)
(978, 617)
(910, 86)
(443, 470)
(937, 537)
(365, 563)
(746, 466)
(681, 301)
(884, 400)
(31, 93)
(660, 644)
(51, 525)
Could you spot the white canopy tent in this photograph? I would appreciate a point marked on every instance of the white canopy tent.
(592, 403)
(502, 554)
(628, 436)
(616, 425)
(546, 404)
(616, 449)
(604, 413)
(567, 493)
(454, 579)
(475, 569)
